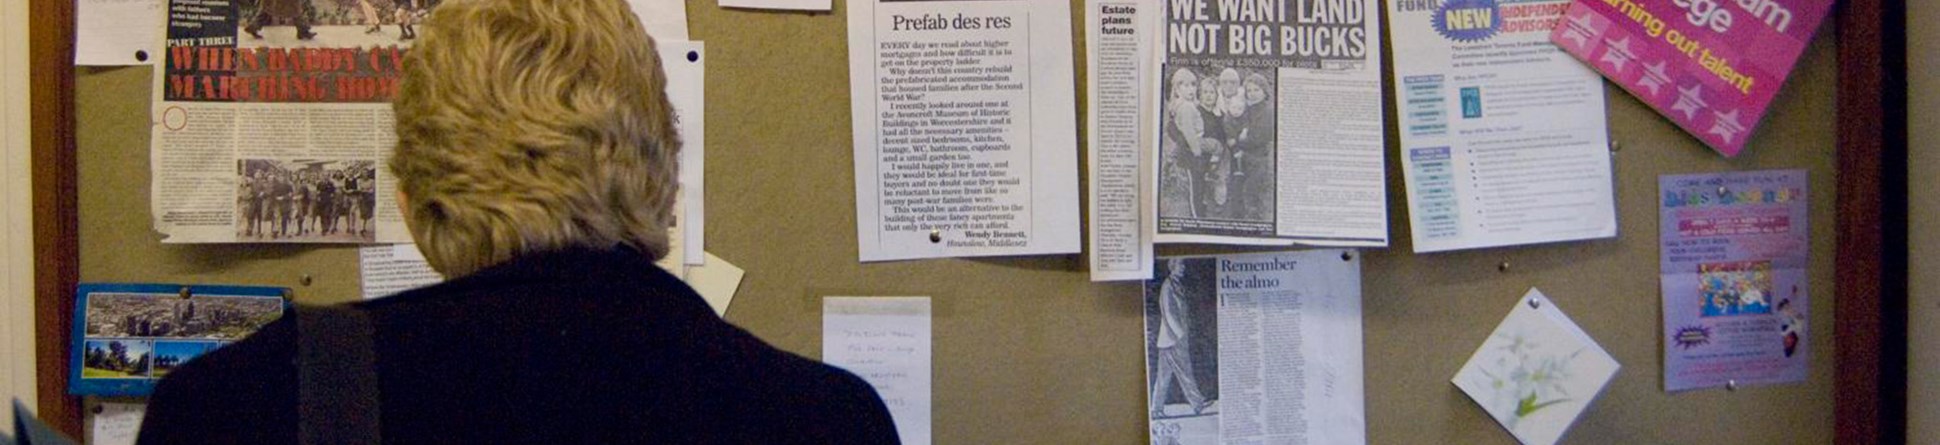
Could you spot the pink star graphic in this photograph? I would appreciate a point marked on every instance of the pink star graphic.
(1617, 53)
(1578, 29)
(1690, 101)
(1727, 126)
(1654, 77)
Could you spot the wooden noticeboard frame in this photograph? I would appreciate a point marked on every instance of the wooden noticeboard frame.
(1869, 317)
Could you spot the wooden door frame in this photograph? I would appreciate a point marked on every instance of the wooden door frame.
(56, 225)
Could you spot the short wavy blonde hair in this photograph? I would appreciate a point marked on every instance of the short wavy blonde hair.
(528, 126)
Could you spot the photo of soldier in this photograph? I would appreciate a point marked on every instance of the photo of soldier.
(327, 193)
(370, 17)
(306, 201)
(283, 200)
(247, 184)
(407, 14)
(331, 23)
(271, 12)
(364, 194)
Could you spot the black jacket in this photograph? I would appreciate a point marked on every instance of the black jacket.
(560, 348)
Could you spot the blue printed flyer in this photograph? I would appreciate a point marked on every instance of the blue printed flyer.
(128, 336)
(1734, 256)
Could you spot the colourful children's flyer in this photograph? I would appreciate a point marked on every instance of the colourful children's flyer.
(1711, 66)
(1734, 255)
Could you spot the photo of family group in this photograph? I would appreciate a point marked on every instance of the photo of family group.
(306, 201)
(1217, 145)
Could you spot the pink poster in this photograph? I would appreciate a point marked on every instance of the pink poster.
(1711, 66)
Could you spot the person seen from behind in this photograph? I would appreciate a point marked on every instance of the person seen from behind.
(535, 168)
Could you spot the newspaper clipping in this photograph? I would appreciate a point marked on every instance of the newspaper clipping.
(1260, 348)
(1270, 123)
(273, 117)
(964, 137)
(1119, 127)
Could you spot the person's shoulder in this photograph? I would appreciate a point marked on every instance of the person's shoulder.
(809, 374)
(241, 393)
(269, 350)
(820, 403)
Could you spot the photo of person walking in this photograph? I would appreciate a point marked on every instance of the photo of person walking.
(1182, 349)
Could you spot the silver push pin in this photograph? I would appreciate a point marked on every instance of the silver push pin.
(1347, 256)
(305, 280)
(1731, 385)
(1615, 146)
(936, 236)
(1503, 267)
(1535, 303)
(1722, 191)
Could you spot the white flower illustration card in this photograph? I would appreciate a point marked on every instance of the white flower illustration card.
(1537, 372)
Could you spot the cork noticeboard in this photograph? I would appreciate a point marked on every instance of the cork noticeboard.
(1028, 350)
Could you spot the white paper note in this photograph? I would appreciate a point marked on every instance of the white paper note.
(964, 128)
(390, 269)
(1120, 120)
(117, 32)
(886, 340)
(117, 424)
(1503, 136)
(664, 19)
(717, 281)
(1537, 371)
(686, 66)
(800, 5)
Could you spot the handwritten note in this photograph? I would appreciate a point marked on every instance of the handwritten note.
(886, 340)
(117, 423)
(117, 32)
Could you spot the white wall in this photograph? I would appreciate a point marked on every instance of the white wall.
(1923, 106)
(16, 209)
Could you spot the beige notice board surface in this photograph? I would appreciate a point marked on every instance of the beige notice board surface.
(1028, 350)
